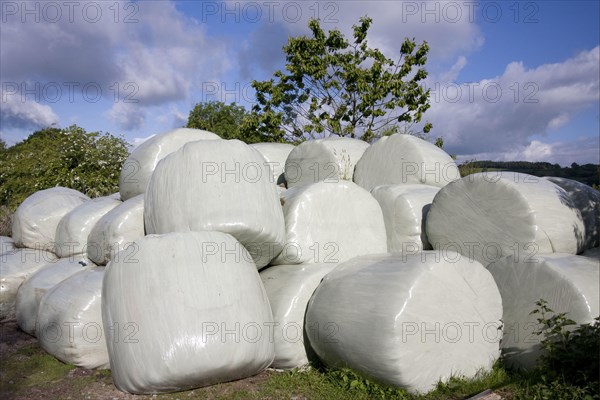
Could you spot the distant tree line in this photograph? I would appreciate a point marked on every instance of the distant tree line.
(586, 173)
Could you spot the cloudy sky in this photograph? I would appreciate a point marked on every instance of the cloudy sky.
(510, 80)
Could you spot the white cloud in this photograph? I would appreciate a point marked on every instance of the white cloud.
(452, 74)
(582, 150)
(147, 51)
(16, 113)
(503, 113)
(127, 116)
(447, 34)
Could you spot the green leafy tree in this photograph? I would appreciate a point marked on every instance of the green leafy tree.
(86, 161)
(224, 120)
(332, 86)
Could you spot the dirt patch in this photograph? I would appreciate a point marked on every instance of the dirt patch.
(16, 377)
(13, 339)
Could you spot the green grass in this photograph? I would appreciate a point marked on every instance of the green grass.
(31, 366)
(30, 369)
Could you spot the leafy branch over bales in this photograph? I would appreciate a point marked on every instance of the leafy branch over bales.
(333, 86)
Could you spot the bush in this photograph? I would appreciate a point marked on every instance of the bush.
(569, 369)
(71, 157)
(5, 221)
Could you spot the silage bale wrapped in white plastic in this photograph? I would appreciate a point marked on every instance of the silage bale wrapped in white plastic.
(567, 282)
(116, 230)
(289, 288)
(328, 160)
(200, 313)
(142, 161)
(405, 209)
(217, 185)
(587, 200)
(69, 323)
(7, 244)
(330, 223)
(408, 320)
(593, 253)
(404, 159)
(491, 215)
(36, 219)
(15, 267)
(73, 229)
(275, 155)
(31, 291)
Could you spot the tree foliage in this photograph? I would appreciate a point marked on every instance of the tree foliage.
(71, 157)
(586, 173)
(332, 86)
(225, 120)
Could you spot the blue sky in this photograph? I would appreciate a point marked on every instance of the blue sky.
(511, 80)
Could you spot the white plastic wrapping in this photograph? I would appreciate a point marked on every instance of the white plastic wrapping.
(7, 244)
(31, 291)
(407, 320)
(73, 229)
(492, 215)
(15, 267)
(402, 159)
(200, 314)
(593, 253)
(289, 288)
(217, 185)
(405, 209)
(330, 223)
(567, 282)
(140, 164)
(587, 200)
(36, 219)
(275, 155)
(69, 322)
(329, 160)
(116, 230)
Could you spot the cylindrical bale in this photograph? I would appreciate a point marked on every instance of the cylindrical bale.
(275, 155)
(116, 230)
(74, 228)
(69, 321)
(15, 267)
(567, 282)
(217, 185)
(593, 253)
(200, 312)
(7, 244)
(404, 159)
(587, 201)
(330, 223)
(491, 215)
(405, 209)
(408, 320)
(36, 219)
(142, 161)
(289, 288)
(329, 160)
(32, 290)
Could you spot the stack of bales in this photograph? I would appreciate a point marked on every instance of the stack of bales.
(224, 259)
